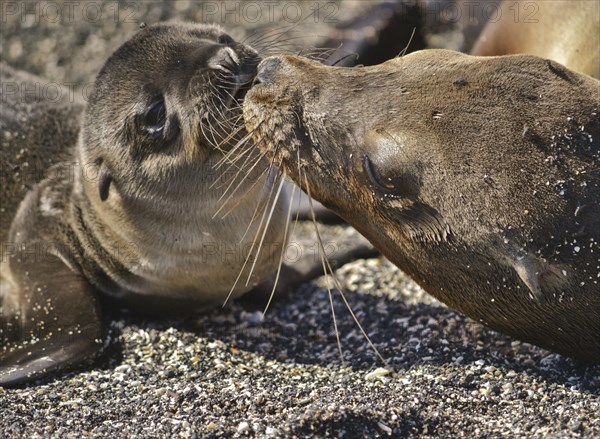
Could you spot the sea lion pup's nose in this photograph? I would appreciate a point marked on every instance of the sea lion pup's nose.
(266, 71)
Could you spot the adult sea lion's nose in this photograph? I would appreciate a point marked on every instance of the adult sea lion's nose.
(266, 71)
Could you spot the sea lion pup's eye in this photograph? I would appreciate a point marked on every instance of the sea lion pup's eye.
(153, 120)
(383, 184)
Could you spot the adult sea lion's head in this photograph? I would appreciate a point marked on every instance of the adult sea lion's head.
(478, 176)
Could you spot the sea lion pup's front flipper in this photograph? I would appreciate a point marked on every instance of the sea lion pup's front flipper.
(38, 340)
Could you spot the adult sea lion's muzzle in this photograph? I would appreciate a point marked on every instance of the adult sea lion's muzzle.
(267, 71)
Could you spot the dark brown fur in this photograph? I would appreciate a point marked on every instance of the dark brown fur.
(479, 177)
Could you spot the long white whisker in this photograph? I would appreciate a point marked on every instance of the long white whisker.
(266, 228)
(237, 279)
(335, 281)
(227, 156)
(323, 257)
(283, 248)
(232, 193)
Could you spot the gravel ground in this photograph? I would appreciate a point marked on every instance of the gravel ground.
(233, 373)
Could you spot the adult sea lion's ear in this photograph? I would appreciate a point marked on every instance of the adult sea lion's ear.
(104, 180)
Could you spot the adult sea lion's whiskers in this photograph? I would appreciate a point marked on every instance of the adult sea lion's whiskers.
(328, 269)
(403, 51)
(302, 177)
(354, 54)
(317, 53)
(232, 180)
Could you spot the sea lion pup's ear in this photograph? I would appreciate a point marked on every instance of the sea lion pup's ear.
(104, 180)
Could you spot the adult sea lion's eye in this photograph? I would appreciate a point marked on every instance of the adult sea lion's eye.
(154, 119)
(384, 184)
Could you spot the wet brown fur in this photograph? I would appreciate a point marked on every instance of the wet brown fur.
(495, 168)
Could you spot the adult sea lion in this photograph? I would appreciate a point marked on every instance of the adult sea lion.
(565, 31)
(125, 205)
(477, 176)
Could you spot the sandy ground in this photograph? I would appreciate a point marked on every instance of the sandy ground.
(233, 373)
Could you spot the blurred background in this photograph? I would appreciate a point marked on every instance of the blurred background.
(68, 41)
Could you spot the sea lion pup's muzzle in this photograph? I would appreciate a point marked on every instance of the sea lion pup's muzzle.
(469, 173)
(236, 65)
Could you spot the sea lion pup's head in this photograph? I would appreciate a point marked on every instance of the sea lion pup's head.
(163, 112)
(161, 108)
(469, 173)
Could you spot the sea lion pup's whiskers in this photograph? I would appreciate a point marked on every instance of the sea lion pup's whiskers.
(264, 204)
(220, 113)
(233, 155)
(227, 194)
(286, 46)
(242, 156)
(235, 150)
(161, 114)
(234, 132)
(263, 200)
(268, 169)
(266, 226)
(209, 135)
(227, 156)
(275, 34)
(258, 157)
(265, 171)
(278, 45)
(271, 42)
(283, 249)
(218, 129)
(257, 37)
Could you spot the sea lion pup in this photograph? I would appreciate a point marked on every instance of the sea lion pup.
(564, 31)
(477, 176)
(128, 210)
